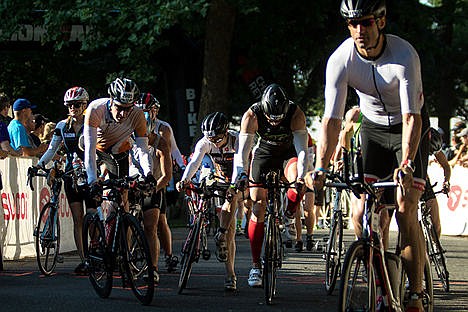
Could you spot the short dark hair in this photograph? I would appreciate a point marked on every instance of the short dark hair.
(4, 100)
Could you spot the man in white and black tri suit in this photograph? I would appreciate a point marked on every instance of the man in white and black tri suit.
(385, 71)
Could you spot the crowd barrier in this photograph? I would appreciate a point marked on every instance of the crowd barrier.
(21, 207)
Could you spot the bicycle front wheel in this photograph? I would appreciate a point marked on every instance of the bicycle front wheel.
(137, 259)
(189, 251)
(333, 255)
(436, 255)
(96, 255)
(428, 290)
(271, 258)
(357, 291)
(47, 234)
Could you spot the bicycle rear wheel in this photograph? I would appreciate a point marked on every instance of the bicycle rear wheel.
(436, 255)
(357, 292)
(96, 255)
(47, 236)
(189, 251)
(271, 256)
(333, 255)
(137, 259)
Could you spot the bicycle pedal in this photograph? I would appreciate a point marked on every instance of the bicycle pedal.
(60, 259)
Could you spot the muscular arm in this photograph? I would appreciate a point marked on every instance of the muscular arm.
(444, 164)
(164, 155)
(249, 125)
(328, 141)
(411, 134)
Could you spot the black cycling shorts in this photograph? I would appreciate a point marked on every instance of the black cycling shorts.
(76, 195)
(428, 191)
(116, 164)
(381, 151)
(267, 158)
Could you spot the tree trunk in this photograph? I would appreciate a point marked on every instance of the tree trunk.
(216, 64)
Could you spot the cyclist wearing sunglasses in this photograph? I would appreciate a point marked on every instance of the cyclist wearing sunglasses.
(109, 123)
(220, 144)
(281, 128)
(67, 134)
(385, 71)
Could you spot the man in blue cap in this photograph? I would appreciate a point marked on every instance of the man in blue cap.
(19, 138)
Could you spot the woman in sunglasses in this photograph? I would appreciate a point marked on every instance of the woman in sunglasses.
(220, 144)
(66, 134)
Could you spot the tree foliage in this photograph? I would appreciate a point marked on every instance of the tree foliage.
(286, 42)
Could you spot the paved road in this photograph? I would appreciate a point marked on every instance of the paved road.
(300, 285)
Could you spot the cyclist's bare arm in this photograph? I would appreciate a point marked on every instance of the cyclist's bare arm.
(412, 124)
(164, 153)
(331, 128)
(442, 160)
(249, 123)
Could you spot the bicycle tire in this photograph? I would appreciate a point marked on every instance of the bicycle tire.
(137, 259)
(47, 248)
(189, 254)
(96, 255)
(334, 251)
(436, 255)
(270, 255)
(357, 291)
(428, 288)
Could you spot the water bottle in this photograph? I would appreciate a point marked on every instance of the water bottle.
(100, 214)
(110, 227)
(77, 165)
(205, 172)
(76, 162)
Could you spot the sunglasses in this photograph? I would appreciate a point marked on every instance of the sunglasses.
(364, 22)
(123, 108)
(216, 139)
(74, 104)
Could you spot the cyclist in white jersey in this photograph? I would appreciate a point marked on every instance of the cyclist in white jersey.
(385, 72)
(109, 123)
(220, 144)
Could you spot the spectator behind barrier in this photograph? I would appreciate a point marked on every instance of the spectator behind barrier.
(17, 129)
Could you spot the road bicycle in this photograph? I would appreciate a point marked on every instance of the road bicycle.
(273, 249)
(433, 246)
(373, 279)
(335, 249)
(198, 196)
(47, 230)
(119, 244)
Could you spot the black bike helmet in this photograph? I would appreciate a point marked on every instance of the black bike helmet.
(147, 101)
(214, 124)
(360, 8)
(124, 91)
(435, 140)
(275, 103)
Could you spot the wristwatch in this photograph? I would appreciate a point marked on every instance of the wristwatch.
(408, 163)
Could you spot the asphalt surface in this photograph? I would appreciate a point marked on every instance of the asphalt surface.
(300, 285)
